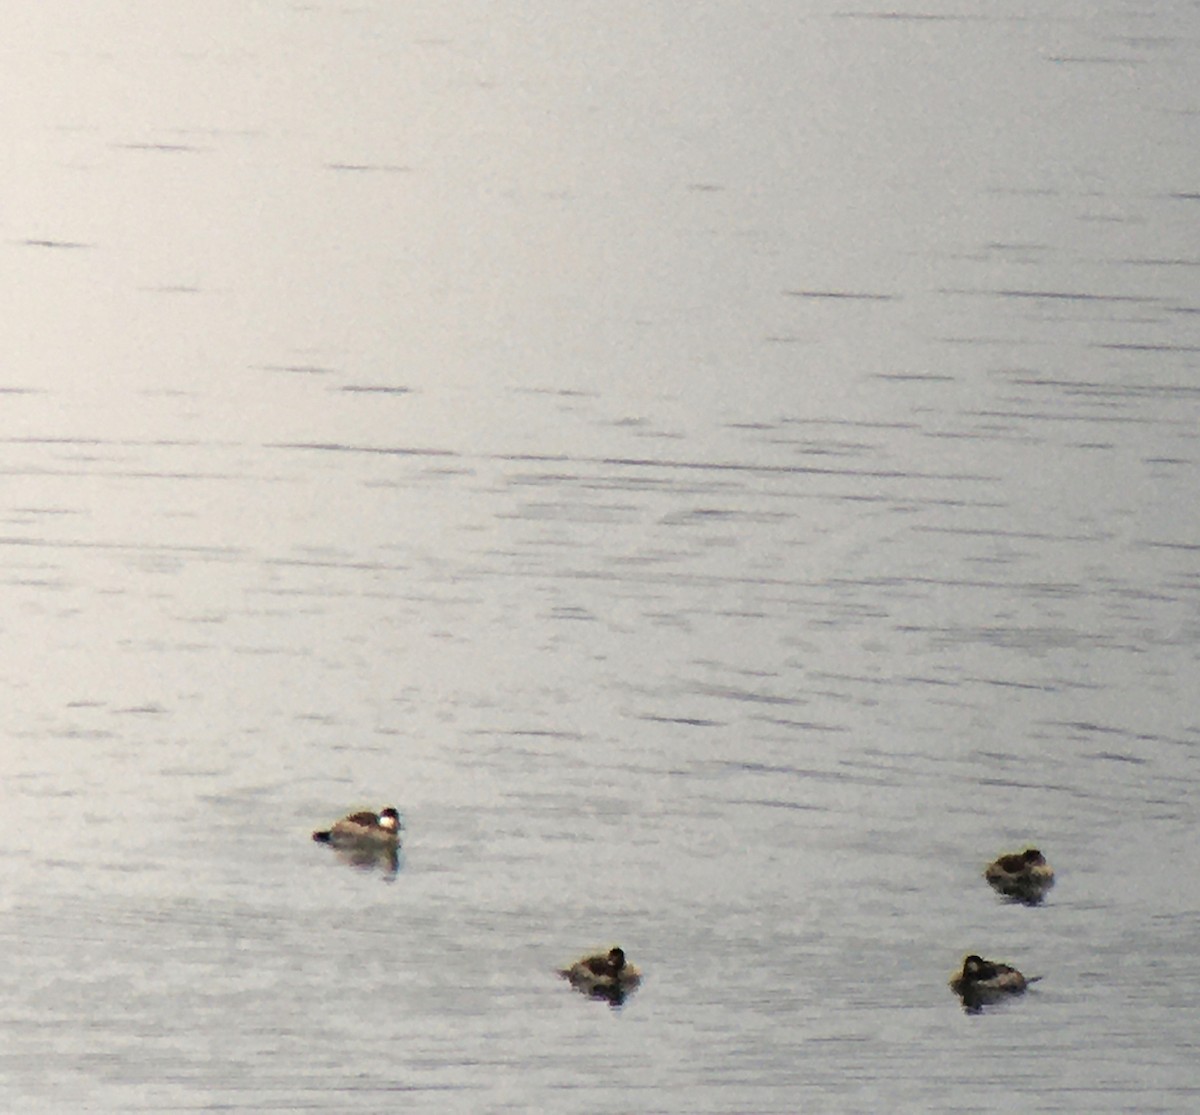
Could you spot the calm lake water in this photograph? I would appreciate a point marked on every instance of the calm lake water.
(724, 471)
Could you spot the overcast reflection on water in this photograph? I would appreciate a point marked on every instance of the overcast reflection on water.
(725, 472)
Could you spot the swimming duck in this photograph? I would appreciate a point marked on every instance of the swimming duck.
(984, 981)
(1023, 875)
(605, 975)
(364, 830)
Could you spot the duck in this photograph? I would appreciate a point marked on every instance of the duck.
(606, 975)
(984, 981)
(1022, 875)
(366, 830)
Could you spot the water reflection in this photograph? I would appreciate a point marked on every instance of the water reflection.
(615, 997)
(386, 860)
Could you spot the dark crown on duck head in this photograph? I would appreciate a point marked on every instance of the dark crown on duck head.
(616, 957)
(1033, 856)
(389, 818)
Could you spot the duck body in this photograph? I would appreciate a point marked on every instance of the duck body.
(984, 981)
(607, 974)
(366, 830)
(1022, 875)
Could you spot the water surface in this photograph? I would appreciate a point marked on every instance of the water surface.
(725, 472)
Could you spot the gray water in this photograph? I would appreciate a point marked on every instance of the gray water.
(725, 471)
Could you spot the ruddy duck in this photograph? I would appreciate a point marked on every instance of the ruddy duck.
(1022, 875)
(605, 975)
(364, 830)
(984, 981)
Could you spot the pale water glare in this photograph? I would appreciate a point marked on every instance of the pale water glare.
(724, 471)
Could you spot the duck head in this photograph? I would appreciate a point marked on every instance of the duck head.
(975, 968)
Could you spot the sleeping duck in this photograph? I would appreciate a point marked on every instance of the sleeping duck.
(605, 975)
(376, 831)
(984, 981)
(1022, 875)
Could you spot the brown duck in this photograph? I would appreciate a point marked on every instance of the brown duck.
(984, 981)
(1024, 875)
(603, 974)
(364, 830)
